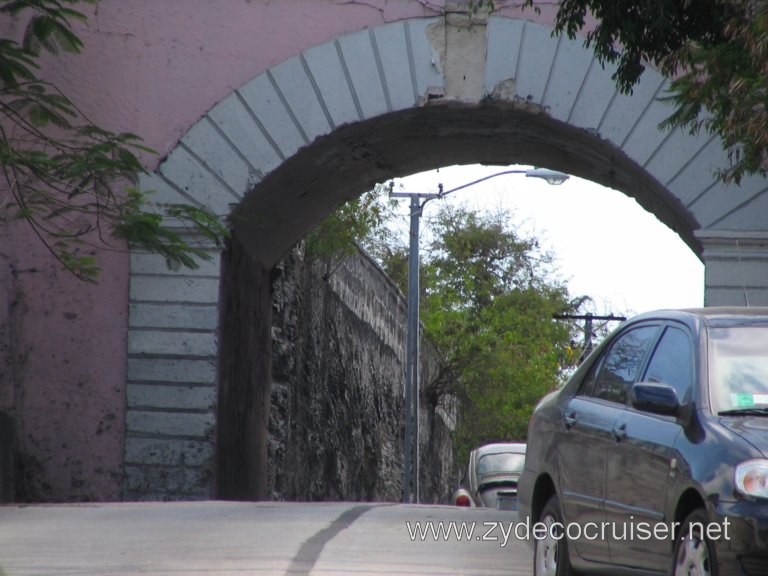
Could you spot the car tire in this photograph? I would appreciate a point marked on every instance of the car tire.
(694, 553)
(550, 554)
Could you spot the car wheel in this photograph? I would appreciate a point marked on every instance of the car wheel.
(694, 552)
(550, 556)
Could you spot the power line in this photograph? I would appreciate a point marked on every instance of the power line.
(589, 331)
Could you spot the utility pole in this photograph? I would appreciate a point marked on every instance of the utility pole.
(588, 327)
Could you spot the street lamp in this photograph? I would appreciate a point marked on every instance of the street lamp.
(411, 443)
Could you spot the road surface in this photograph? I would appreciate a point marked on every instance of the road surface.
(231, 538)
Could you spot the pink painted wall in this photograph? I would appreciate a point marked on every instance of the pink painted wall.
(64, 372)
(153, 68)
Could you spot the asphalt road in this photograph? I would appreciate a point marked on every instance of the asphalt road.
(232, 538)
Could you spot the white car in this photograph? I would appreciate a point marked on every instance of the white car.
(490, 480)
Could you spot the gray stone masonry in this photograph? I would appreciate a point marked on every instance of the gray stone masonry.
(336, 425)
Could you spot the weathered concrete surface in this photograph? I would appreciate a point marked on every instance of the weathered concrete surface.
(245, 366)
(336, 425)
(171, 382)
(460, 41)
(233, 538)
(62, 372)
(737, 268)
(337, 167)
(7, 458)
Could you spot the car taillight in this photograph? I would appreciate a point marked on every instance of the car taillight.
(463, 500)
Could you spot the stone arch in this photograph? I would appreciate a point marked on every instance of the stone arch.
(296, 141)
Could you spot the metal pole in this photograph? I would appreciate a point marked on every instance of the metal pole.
(413, 303)
(411, 476)
(411, 440)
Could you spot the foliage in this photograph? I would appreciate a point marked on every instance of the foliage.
(488, 298)
(630, 32)
(715, 50)
(725, 88)
(488, 303)
(357, 222)
(72, 181)
(393, 259)
(476, 6)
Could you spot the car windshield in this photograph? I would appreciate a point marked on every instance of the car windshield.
(501, 463)
(738, 368)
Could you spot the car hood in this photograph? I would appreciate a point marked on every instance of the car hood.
(754, 429)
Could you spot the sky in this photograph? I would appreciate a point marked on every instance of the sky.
(605, 245)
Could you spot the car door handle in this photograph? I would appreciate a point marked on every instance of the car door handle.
(620, 432)
(570, 419)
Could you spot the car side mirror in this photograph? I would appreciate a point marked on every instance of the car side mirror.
(655, 398)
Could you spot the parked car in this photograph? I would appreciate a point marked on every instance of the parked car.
(490, 480)
(653, 458)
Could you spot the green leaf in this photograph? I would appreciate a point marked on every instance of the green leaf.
(67, 175)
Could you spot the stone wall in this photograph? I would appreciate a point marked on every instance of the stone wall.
(336, 425)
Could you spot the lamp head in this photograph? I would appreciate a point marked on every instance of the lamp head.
(552, 177)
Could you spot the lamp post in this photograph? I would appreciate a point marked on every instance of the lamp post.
(418, 201)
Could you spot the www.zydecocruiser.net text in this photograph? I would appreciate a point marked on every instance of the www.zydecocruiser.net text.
(502, 532)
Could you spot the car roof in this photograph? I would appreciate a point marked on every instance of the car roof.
(711, 316)
(500, 448)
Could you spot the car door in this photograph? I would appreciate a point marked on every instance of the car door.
(589, 420)
(640, 467)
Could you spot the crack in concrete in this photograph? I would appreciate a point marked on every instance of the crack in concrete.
(310, 551)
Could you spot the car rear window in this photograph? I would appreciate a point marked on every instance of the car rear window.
(505, 462)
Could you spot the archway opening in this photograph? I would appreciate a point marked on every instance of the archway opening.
(292, 199)
(605, 244)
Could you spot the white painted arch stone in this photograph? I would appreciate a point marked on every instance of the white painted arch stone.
(347, 112)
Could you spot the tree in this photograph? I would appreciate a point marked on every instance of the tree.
(716, 52)
(359, 222)
(489, 297)
(72, 181)
(488, 301)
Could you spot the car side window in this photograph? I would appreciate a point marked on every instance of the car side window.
(622, 364)
(587, 386)
(671, 362)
